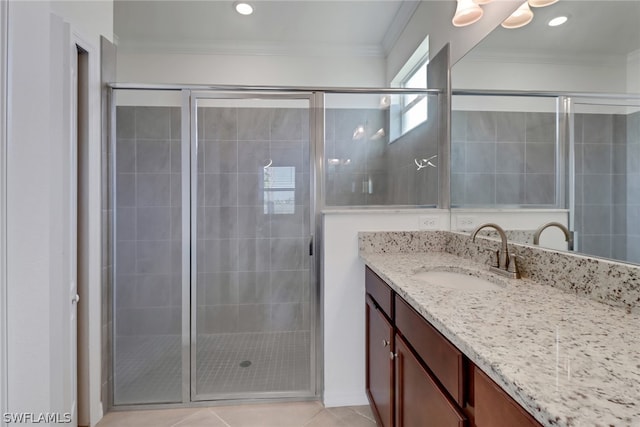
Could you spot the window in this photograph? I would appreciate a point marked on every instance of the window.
(279, 190)
(409, 111)
(414, 107)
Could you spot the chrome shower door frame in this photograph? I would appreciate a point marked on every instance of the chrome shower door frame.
(189, 229)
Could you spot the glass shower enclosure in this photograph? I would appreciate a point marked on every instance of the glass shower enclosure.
(216, 196)
(213, 280)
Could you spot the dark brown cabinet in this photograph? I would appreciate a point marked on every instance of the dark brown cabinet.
(379, 363)
(495, 408)
(417, 378)
(419, 399)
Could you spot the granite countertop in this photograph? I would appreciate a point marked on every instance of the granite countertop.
(568, 360)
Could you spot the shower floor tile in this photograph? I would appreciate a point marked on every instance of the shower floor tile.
(242, 363)
(237, 365)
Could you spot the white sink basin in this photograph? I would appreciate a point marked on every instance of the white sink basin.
(454, 280)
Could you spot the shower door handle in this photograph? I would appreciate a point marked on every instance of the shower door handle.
(311, 246)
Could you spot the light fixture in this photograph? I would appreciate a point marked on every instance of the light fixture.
(358, 133)
(243, 8)
(559, 20)
(483, 1)
(467, 12)
(380, 133)
(521, 17)
(541, 3)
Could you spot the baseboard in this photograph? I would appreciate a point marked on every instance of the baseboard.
(332, 400)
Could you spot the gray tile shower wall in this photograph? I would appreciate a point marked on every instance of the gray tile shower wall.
(364, 169)
(601, 184)
(148, 212)
(253, 222)
(406, 185)
(356, 171)
(502, 158)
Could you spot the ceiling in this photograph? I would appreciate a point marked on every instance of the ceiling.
(358, 27)
(331, 26)
(595, 28)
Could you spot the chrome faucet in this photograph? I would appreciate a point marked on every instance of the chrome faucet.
(506, 264)
(568, 235)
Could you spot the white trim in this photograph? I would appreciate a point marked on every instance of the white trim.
(4, 24)
(94, 107)
(399, 23)
(332, 400)
(415, 61)
(202, 47)
(524, 56)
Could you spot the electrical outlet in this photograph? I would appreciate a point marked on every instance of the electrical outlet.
(429, 222)
(466, 222)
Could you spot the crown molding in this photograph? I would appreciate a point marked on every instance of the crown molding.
(203, 47)
(523, 56)
(399, 23)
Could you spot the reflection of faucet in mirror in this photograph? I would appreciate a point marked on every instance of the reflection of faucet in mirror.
(507, 265)
(567, 234)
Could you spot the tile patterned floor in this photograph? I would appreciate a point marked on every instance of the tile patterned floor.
(297, 414)
(148, 368)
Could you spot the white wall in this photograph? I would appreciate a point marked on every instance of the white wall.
(344, 321)
(3, 207)
(29, 379)
(433, 18)
(253, 70)
(512, 71)
(38, 199)
(633, 72)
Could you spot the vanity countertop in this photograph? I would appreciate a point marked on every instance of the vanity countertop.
(568, 360)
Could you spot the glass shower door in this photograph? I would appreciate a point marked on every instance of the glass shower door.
(606, 138)
(147, 249)
(252, 329)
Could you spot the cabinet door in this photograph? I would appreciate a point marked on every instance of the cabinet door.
(495, 408)
(379, 364)
(419, 400)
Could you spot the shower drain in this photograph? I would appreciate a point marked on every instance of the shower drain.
(245, 363)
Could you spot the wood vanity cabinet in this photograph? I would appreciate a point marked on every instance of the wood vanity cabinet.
(379, 348)
(379, 377)
(416, 378)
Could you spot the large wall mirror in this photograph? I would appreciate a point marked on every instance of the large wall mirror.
(547, 118)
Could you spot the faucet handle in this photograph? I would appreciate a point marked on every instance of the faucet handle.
(513, 265)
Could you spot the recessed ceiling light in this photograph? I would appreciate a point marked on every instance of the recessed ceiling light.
(243, 8)
(558, 21)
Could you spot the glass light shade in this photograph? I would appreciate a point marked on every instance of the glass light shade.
(541, 3)
(521, 17)
(467, 12)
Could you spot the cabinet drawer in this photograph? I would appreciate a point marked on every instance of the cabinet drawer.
(442, 358)
(495, 408)
(379, 291)
(420, 402)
